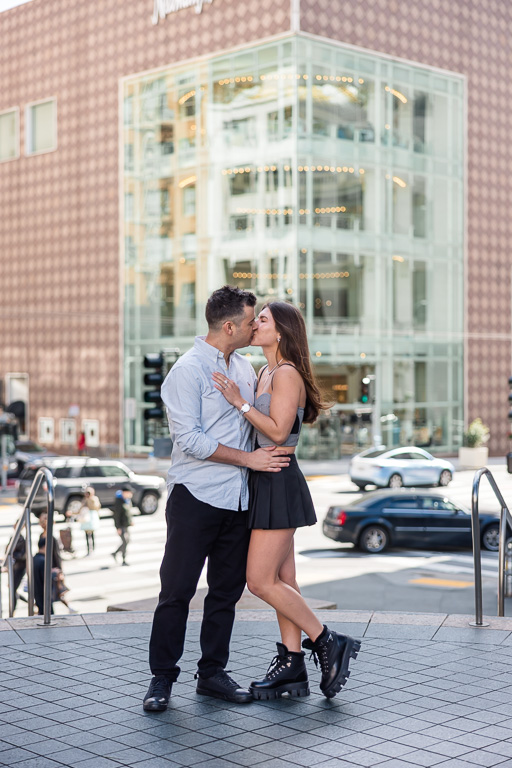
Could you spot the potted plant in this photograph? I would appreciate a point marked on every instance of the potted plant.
(474, 454)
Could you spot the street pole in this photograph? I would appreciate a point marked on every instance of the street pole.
(375, 404)
(3, 476)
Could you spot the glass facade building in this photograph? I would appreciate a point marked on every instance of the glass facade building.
(308, 171)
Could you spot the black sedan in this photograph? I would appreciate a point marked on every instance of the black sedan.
(407, 519)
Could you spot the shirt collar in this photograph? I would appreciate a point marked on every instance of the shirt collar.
(211, 352)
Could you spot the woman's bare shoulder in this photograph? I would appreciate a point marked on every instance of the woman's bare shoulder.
(287, 372)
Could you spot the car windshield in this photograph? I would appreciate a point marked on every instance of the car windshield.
(372, 454)
(30, 447)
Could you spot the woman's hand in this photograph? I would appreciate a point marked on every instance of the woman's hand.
(228, 388)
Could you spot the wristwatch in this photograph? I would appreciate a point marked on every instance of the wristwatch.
(245, 408)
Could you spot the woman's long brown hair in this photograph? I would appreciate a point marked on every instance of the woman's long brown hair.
(294, 348)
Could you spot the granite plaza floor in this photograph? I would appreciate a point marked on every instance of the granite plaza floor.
(426, 690)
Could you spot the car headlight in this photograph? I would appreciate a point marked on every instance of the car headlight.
(13, 465)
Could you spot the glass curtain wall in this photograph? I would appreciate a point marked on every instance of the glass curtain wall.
(327, 177)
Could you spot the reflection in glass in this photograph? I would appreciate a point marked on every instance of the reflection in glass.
(301, 170)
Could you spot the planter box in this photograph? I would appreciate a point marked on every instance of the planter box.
(473, 458)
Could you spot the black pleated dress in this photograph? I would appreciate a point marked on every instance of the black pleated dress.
(279, 499)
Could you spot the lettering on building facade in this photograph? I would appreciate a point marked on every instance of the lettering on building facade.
(163, 8)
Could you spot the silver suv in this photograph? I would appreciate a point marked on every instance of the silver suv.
(107, 477)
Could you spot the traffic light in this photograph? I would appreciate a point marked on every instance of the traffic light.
(154, 379)
(365, 390)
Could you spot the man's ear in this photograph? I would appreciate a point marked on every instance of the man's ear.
(228, 327)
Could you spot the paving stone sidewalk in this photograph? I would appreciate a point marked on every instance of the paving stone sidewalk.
(426, 690)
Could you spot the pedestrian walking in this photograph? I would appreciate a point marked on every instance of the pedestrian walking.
(19, 556)
(56, 557)
(81, 444)
(123, 520)
(89, 518)
(59, 587)
(207, 501)
(286, 396)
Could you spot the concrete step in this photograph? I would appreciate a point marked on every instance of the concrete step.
(247, 602)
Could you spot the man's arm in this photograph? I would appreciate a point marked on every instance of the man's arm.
(181, 394)
(262, 460)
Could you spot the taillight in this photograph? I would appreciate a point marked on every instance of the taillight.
(341, 518)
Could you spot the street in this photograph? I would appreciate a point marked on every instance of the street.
(398, 580)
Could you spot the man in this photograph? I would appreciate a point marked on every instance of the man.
(123, 520)
(208, 496)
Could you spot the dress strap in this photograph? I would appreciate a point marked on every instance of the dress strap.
(261, 371)
(281, 366)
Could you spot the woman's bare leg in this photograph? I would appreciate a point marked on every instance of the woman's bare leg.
(268, 553)
(290, 632)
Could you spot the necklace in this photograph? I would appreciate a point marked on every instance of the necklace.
(269, 373)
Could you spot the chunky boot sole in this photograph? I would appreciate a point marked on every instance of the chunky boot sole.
(266, 694)
(352, 648)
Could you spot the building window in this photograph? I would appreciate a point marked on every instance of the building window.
(41, 127)
(67, 431)
(17, 399)
(91, 429)
(9, 135)
(46, 430)
(189, 201)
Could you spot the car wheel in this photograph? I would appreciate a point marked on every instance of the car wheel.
(149, 503)
(373, 540)
(395, 481)
(361, 486)
(445, 477)
(73, 506)
(491, 538)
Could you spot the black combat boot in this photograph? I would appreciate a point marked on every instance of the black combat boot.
(286, 674)
(334, 652)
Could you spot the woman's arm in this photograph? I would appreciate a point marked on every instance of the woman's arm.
(286, 395)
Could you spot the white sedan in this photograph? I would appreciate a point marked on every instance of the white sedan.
(397, 467)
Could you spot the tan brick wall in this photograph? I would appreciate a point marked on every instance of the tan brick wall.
(59, 222)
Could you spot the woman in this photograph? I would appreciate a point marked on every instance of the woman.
(89, 518)
(286, 396)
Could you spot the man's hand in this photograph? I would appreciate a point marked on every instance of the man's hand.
(268, 459)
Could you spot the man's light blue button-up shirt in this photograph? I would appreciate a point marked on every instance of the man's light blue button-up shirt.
(200, 418)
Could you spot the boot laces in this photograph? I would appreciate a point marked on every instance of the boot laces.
(320, 656)
(276, 665)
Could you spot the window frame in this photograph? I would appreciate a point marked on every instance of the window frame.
(16, 111)
(28, 127)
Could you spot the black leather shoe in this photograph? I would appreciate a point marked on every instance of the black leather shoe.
(222, 686)
(158, 695)
(334, 652)
(286, 674)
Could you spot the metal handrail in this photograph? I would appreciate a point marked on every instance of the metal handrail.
(505, 519)
(24, 522)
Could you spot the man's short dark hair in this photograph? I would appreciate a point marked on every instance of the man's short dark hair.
(227, 303)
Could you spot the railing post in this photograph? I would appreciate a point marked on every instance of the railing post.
(29, 562)
(10, 583)
(477, 558)
(501, 562)
(48, 557)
